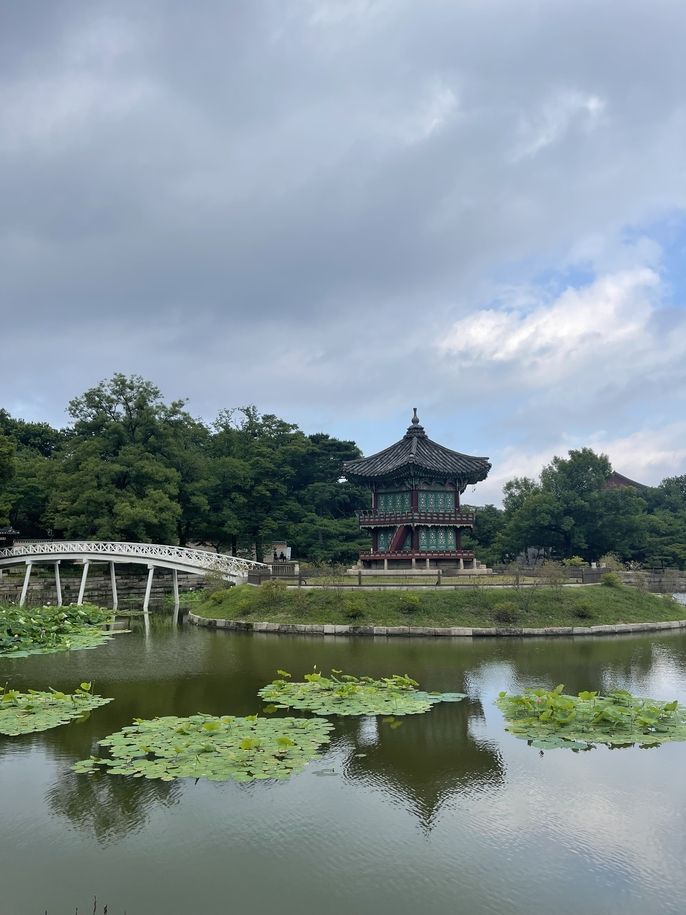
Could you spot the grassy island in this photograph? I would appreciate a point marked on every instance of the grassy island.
(477, 607)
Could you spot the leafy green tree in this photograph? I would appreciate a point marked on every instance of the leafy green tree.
(7, 451)
(114, 476)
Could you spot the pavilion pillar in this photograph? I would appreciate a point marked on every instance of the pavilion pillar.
(461, 564)
(113, 582)
(25, 586)
(414, 563)
(427, 562)
(84, 578)
(58, 583)
(385, 565)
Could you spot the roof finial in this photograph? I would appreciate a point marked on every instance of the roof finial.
(415, 418)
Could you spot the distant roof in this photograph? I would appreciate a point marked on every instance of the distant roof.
(7, 531)
(416, 455)
(619, 481)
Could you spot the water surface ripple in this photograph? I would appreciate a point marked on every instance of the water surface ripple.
(446, 814)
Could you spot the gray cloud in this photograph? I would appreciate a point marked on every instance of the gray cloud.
(293, 203)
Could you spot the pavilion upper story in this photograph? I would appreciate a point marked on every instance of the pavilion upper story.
(415, 518)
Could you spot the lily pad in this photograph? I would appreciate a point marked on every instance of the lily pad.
(24, 713)
(218, 749)
(343, 694)
(44, 630)
(550, 719)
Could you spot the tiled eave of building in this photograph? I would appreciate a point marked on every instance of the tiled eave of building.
(416, 457)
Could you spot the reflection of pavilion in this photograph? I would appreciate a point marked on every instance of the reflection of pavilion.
(426, 761)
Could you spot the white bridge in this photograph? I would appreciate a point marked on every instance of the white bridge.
(152, 555)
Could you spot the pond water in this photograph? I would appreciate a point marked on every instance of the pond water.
(446, 814)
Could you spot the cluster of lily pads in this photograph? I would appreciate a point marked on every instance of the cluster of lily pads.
(218, 749)
(343, 694)
(244, 749)
(43, 630)
(550, 719)
(25, 713)
(253, 747)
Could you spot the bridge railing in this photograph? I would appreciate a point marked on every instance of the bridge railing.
(200, 560)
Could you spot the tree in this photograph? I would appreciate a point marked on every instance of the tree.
(114, 476)
(7, 452)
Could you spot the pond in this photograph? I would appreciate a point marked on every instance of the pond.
(445, 814)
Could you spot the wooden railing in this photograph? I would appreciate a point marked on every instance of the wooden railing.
(374, 518)
(420, 554)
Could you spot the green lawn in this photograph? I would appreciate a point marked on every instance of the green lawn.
(540, 606)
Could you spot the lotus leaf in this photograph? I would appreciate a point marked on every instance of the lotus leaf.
(549, 719)
(218, 749)
(343, 694)
(43, 630)
(24, 713)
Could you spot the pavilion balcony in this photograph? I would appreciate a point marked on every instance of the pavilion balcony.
(418, 554)
(455, 518)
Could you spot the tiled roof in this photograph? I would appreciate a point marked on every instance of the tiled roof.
(417, 455)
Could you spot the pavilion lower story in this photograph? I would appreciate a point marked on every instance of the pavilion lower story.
(418, 561)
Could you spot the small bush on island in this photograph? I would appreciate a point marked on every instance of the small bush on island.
(505, 614)
(611, 580)
(583, 611)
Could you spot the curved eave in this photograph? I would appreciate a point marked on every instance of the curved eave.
(405, 460)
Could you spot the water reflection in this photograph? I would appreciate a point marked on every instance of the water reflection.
(423, 762)
(109, 807)
(446, 813)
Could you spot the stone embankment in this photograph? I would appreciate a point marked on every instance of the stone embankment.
(432, 632)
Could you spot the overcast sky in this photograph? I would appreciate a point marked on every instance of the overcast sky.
(342, 209)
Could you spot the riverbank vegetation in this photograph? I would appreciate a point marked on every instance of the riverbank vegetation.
(132, 466)
(526, 606)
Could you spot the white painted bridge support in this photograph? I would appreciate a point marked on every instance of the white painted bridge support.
(58, 583)
(148, 588)
(175, 588)
(84, 578)
(25, 586)
(113, 582)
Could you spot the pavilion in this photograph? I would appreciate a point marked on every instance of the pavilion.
(415, 519)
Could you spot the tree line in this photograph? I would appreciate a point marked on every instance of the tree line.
(131, 466)
(570, 511)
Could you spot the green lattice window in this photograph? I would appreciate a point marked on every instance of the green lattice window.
(436, 539)
(439, 501)
(393, 501)
(385, 538)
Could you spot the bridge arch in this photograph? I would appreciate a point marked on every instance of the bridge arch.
(152, 555)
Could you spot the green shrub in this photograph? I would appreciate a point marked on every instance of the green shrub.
(574, 562)
(409, 603)
(273, 592)
(611, 562)
(611, 580)
(583, 611)
(505, 614)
